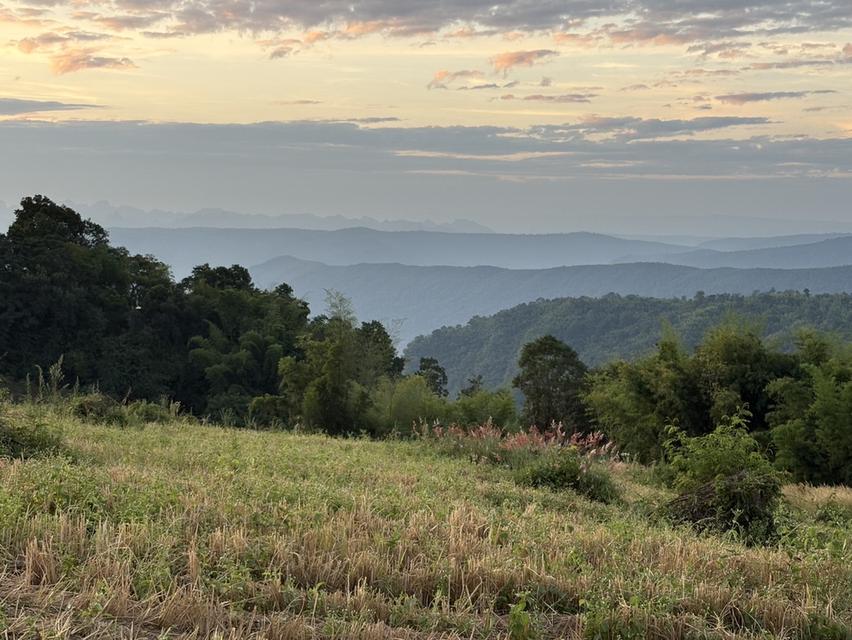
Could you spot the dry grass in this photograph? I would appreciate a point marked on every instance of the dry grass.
(196, 532)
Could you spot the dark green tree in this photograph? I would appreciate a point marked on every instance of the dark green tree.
(435, 375)
(551, 378)
(474, 385)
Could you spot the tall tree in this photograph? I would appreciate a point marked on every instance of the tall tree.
(551, 378)
(435, 376)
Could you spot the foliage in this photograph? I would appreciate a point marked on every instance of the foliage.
(98, 407)
(479, 407)
(434, 375)
(27, 435)
(564, 468)
(619, 327)
(724, 482)
(633, 402)
(551, 378)
(538, 458)
(813, 417)
(214, 342)
(397, 406)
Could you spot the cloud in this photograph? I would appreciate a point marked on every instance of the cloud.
(80, 59)
(788, 64)
(480, 87)
(601, 166)
(745, 98)
(724, 49)
(653, 22)
(16, 106)
(296, 102)
(50, 40)
(847, 50)
(443, 78)
(503, 62)
(577, 39)
(130, 22)
(561, 98)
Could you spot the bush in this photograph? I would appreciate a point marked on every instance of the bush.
(724, 483)
(269, 410)
(98, 407)
(564, 468)
(481, 406)
(24, 436)
(145, 412)
(399, 405)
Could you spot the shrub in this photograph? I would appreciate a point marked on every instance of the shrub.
(398, 405)
(144, 412)
(481, 406)
(564, 468)
(269, 410)
(24, 436)
(98, 407)
(724, 482)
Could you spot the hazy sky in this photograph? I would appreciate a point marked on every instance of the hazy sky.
(523, 114)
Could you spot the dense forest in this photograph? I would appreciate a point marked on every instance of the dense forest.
(212, 341)
(620, 327)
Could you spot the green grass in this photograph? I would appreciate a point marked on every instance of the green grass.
(183, 530)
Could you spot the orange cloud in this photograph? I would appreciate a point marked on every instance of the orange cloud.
(503, 62)
(847, 50)
(576, 39)
(444, 77)
(80, 59)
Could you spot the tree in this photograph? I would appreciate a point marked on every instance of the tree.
(474, 386)
(551, 379)
(435, 376)
(41, 219)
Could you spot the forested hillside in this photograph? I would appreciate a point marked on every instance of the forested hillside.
(614, 326)
(427, 298)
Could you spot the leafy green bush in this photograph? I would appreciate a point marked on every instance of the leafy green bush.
(813, 434)
(398, 405)
(724, 482)
(481, 406)
(144, 412)
(564, 468)
(98, 407)
(269, 410)
(26, 436)
(596, 484)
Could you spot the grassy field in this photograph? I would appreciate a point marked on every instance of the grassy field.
(189, 531)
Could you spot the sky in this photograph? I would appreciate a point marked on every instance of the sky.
(524, 115)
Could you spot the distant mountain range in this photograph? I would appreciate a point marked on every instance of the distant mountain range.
(426, 298)
(186, 248)
(831, 252)
(613, 327)
(744, 244)
(109, 215)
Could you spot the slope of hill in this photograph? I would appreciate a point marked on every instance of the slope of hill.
(745, 244)
(615, 327)
(426, 298)
(832, 252)
(179, 530)
(186, 248)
